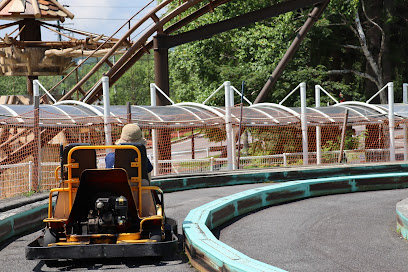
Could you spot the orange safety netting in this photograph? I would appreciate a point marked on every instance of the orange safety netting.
(28, 162)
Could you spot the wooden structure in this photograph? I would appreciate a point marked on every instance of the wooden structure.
(16, 99)
(22, 51)
(22, 57)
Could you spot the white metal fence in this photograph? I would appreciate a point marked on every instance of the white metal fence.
(17, 179)
(268, 161)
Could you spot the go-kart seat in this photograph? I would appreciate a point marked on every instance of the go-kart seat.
(123, 159)
(86, 159)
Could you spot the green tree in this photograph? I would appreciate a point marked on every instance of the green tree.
(249, 53)
(133, 86)
(13, 85)
(354, 48)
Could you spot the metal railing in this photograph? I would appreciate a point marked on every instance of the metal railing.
(15, 180)
(279, 160)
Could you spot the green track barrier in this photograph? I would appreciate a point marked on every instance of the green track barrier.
(206, 252)
(402, 218)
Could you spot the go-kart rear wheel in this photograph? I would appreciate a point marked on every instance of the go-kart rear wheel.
(168, 232)
(173, 224)
(156, 235)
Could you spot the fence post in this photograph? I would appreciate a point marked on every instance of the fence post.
(192, 144)
(405, 101)
(285, 159)
(228, 125)
(212, 164)
(234, 133)
(391, 119)
(153, 102)
(128, 113)
(30, 176)
(37, 135)
(106, 112)
(343, 136)
(303, 120)
(405, 141)
(318, 129)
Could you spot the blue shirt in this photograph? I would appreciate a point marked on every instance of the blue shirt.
(110, 161)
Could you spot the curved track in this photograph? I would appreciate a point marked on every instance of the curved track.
(349, 232)
(177, 206)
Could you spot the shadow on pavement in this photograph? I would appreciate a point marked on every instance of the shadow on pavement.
(104, 264)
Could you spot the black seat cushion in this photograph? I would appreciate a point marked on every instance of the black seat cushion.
(124, 157)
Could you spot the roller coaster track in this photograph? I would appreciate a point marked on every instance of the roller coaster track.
(143, 45)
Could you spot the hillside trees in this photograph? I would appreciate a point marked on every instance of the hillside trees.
(376, 26)
(13, 85)
(133, 86)
(246, 54)
(250, 53)
(352, 49)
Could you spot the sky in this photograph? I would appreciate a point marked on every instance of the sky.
(97, 16)
(103, 16)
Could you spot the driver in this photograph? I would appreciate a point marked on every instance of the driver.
(131, 133)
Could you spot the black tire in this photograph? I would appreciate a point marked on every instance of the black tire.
(173, 224)
(180, 242)
(168, 232)
(156, 235)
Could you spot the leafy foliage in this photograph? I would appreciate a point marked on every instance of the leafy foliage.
(13, 85)
(275, 140)
(252, 53)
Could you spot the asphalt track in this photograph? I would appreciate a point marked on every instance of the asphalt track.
(348, 232)
(177, 206)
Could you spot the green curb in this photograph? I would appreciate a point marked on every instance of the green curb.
(402, 220)
(212, 255)
(19, 223)
(215, 179)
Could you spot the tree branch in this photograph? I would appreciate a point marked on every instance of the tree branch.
(357, 73)
(363, 42)
(382, 47)
(350, 46)
(337, 24)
